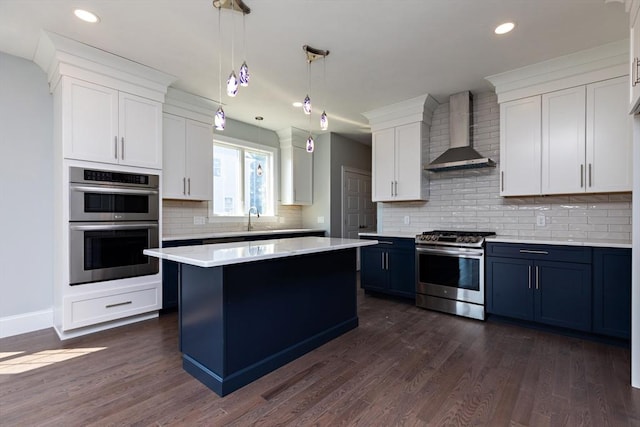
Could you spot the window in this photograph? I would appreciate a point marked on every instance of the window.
(243, 178)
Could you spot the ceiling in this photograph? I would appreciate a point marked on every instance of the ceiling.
(381, 52)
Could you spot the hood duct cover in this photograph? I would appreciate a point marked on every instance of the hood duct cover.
(460, 154)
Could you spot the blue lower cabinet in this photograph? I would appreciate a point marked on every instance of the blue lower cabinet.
(612, 292)
(526, 285)
(389, 267)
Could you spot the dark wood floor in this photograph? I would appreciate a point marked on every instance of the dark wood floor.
(401, 366)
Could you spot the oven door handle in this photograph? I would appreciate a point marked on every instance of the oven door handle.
(111, 226)
(112, 190)
(462, 252)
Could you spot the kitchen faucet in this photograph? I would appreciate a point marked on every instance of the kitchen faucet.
(255, 211)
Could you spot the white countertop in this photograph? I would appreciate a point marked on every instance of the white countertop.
(390, 234)
(603, 243)
(239, 252)
(224, 234)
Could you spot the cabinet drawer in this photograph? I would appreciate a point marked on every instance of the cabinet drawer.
(85, 310)
(540, 252)
(393, 242)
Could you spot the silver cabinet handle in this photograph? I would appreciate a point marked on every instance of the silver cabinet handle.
(382, 258)
(117, 304)
(581, 176)
(529, 277)
(529, 251)
(387, 257)
(502, 180)
(396, 192)
(184, 185)
(537, 277)
(122, 151)
(391, 188)
(384, 242)
(189, 186)
(115, 140)
(590, 175)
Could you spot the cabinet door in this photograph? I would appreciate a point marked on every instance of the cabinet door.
(520, 143)
(373, 270)
(408, 162)
(563, 141)
(509, 287)
(563, 294)
(199, 160)
(402, 272)
(173, 147)
(383, 173)
(612, 292)
(90, 121)
(140, 124)
(634, 93)
(302, 176)
(609, 149)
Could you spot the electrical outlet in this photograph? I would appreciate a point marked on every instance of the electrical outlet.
(320, 220)
(541, 220)
(198, 220)
(407, 220)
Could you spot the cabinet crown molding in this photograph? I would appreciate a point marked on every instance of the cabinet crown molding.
(292, 137)
(418, 109)
(188, 105)
(59, 56)
(579, 68)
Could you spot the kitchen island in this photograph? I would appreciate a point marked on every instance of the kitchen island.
(247, 308)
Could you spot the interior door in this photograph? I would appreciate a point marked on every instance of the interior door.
(358, 211)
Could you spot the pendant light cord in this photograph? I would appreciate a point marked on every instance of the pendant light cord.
(233, 30)
(219, 58)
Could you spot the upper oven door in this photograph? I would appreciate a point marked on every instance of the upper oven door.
(454, 273)
(89, 202)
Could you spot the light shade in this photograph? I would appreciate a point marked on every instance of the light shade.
(244, 74)
(310, 144)
(232, 84)
(324, 121)
(219, 120)
(306, 105)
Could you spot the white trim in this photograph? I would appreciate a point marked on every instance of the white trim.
(26, 322)
(104, 326)
(418, 109)
(579, 68)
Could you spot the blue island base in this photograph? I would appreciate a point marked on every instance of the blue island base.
(239, 322)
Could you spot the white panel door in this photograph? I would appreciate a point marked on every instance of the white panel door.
(90, 121)
(173, 166)
(563, 141)
(383, 164)
(408, 162)
(609, 149)
(358, 212)
(520, 147)
(199, 160)
(140, 131)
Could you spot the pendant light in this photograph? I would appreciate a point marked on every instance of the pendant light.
(259, 169)
(244, 69)
(306, 104)
(313, 54)
(232, 81)
(324, 120)
(219, 120)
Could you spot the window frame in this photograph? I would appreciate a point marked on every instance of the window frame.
(248, 145)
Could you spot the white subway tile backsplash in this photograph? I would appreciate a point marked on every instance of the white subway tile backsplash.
(470, 199)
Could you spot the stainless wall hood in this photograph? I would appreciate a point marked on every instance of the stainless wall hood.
(460, 154)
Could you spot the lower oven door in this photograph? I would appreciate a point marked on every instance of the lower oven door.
(452, 273)
(111, 250)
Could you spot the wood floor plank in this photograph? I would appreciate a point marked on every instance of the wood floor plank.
(402, 366)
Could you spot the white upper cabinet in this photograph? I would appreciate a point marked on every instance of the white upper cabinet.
(105, 125)
(397, 163)
(520, 146)
(634, 75)
(609, 137)
(570, 133)
(400, 147)
(188, 159)
(563, 141)
(296, 168)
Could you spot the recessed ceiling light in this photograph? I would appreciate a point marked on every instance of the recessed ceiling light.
(297, 104)
(86, 16)
(504, 28)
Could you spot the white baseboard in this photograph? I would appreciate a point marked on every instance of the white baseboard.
(27, 322)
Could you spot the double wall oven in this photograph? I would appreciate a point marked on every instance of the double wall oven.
(113, 217)
(450, 272)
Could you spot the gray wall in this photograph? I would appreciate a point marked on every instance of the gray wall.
(332, 152)
(249, 132)
(26, 188)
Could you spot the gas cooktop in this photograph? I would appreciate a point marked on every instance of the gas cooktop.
(453, 237)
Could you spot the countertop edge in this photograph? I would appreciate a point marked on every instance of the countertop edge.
(558, 242)
(225, 234)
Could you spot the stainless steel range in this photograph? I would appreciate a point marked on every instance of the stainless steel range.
(450, 271)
